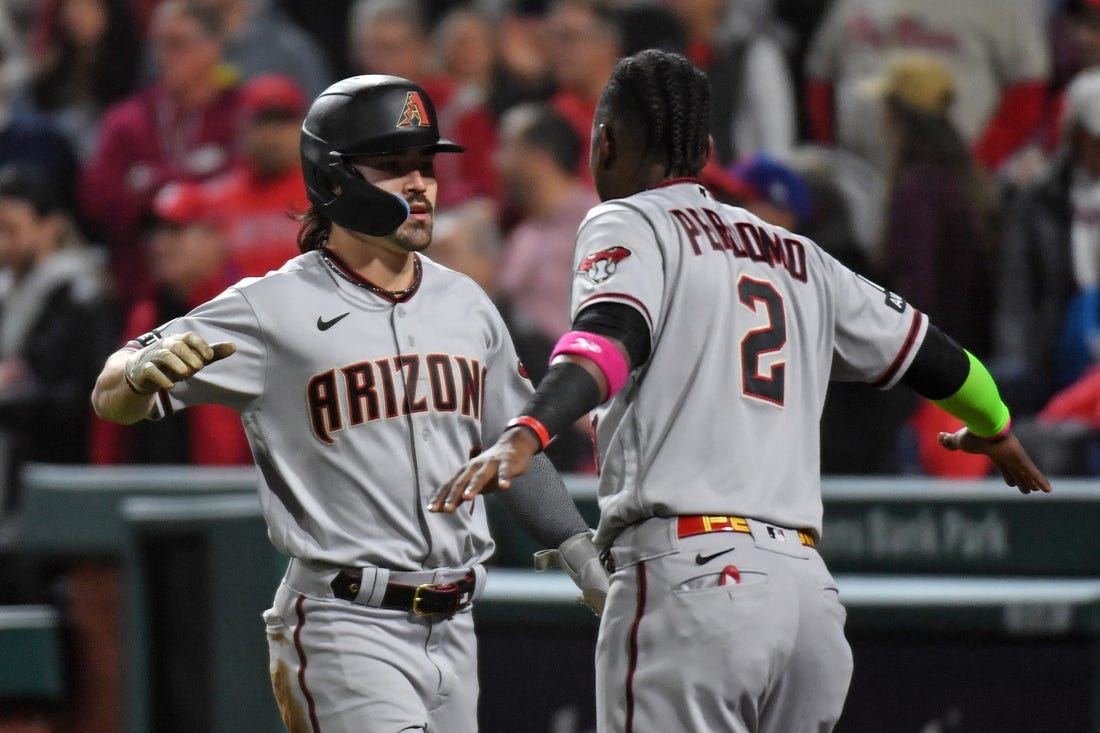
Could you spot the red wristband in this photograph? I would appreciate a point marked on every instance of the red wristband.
(536, 427)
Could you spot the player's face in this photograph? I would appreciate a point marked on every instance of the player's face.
(271, 145)
(513, 156)
(410, 175)
(186, 53)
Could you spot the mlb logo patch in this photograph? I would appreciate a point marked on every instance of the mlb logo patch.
(777, 534)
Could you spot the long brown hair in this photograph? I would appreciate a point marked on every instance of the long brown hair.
(315, 229)
(931, 137)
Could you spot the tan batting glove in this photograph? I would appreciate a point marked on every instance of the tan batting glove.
(163, 363)
(579, 557)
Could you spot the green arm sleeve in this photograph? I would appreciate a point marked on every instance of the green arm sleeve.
(978, 403)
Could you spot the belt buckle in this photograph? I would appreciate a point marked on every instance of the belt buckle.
(417, 599)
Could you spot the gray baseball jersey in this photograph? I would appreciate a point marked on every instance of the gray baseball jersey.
(358, 408)
(748, 323)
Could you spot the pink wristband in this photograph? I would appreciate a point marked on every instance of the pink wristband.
(600, 351)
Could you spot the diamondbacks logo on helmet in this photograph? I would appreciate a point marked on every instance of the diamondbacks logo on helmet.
(601, 265)
(414, 111)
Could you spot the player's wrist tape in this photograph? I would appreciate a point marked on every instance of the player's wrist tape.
(600, 351)
(537, 428)
(134, 388)
(566, 394)
(130, 363)
(978, 404)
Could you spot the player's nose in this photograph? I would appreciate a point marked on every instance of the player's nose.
(414, 181)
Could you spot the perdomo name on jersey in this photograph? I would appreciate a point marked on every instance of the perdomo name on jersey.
(743, 239)
(369, 391)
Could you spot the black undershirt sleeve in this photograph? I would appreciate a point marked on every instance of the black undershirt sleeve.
(541, 504)
(568, 392)
(939, 368)
(617, 321)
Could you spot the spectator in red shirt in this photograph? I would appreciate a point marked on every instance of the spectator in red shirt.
(467, 54)
(87, 58)
(586, 45)
(182, 127)
(187, 260)
(535, 158)
(390, 37)
(254, 203)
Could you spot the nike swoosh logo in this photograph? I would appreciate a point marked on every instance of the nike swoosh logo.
(704, 559)
(323, 325)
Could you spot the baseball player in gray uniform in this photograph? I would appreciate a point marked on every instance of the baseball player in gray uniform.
(707, 338)
(363, 373)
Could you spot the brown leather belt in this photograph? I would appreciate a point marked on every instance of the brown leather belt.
(437, 600)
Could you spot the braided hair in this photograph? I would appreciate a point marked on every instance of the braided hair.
(665, 99)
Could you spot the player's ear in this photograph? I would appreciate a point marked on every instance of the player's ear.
(605, 146)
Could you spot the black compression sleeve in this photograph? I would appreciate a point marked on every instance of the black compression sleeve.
(566, 394)
(939, 368)
(541, 504)
(617, 321)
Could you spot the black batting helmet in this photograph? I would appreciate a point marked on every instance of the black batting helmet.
(360, 116)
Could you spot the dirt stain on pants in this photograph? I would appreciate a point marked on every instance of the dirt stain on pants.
(294, 718)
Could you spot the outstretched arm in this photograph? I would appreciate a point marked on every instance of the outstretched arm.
(589, 365)
(571, 388)
(540, 503)
(954, 379)
(127, 386)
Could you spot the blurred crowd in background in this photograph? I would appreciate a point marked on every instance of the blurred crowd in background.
(948, 150)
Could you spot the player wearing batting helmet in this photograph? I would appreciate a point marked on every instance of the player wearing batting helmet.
(706, 338)
(363, 373)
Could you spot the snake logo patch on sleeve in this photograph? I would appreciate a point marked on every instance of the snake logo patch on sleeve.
(601, 265)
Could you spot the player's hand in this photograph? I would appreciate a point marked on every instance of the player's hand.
(1007, 455)
(491, 471)
(173, 359)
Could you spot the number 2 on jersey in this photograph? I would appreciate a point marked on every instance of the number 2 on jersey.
(764, 340)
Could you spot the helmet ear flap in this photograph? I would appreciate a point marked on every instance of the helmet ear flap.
(334, 186)
(321, 189)
(362, 206)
